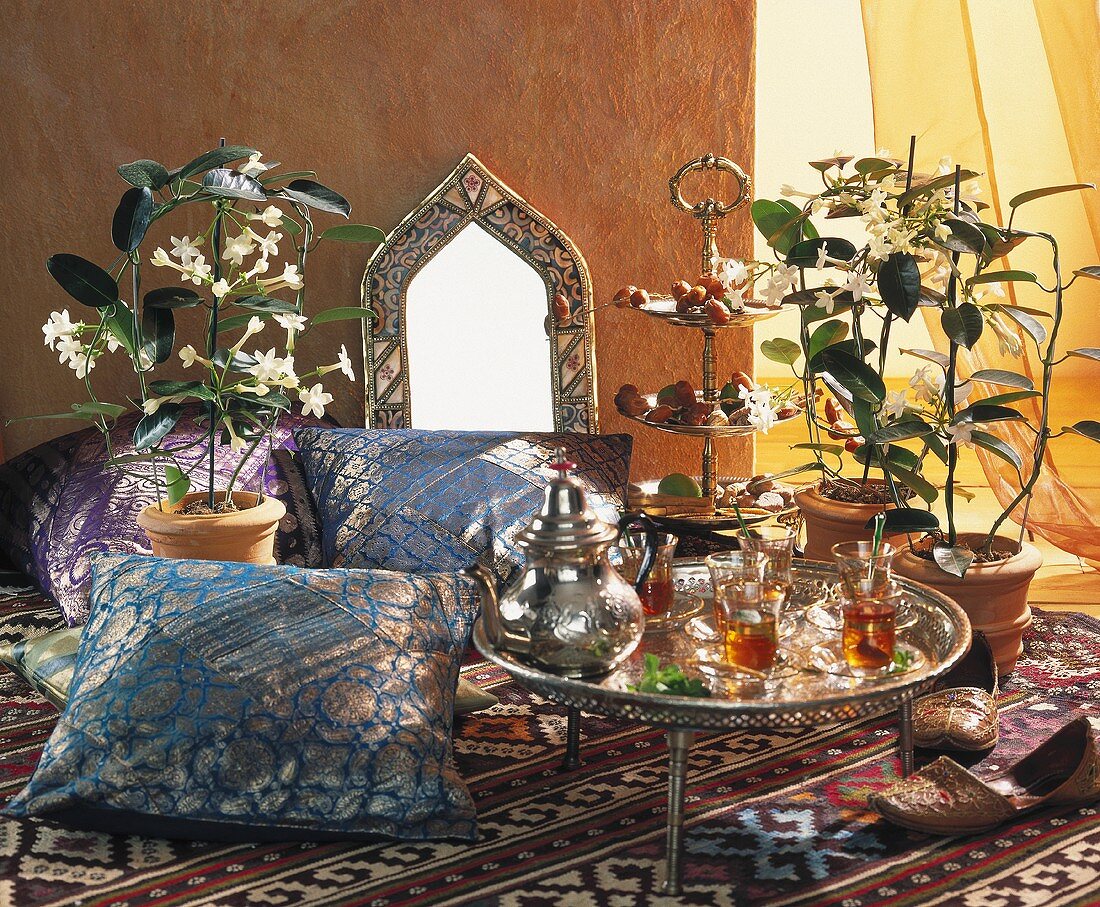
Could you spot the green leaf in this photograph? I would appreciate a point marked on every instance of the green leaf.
(289, 175)
(953, 560)
(240, 362)
(1033, 194)
(899, 284)
(836, 449)
(85, 282)
(826, 335)
(781, 350)
(774, 222)
(1025, 320)
(854, 374)
(158, 328)
(265, 304)
(354, 233)
(940, 182)
(804, 254)
(1086, 352)
(999, 242)
(178, 484)
(317, 196)
(864, 414)
(172, 298)
(231, 184)
(906, 519)
(984, 412)
(963, 324)
(132, 218)
(269, 401)
(1003, 377)
(291, 225)
(895, 456)
(930, 356)
(145, 174)
(1011, 397)
(342, 313)
(900, 431)
(965, 237)
(1087, 428)
(1002, 276)
(923, 488)
(153, 427)
(219, 157)
(868, 165)
(174, 388)
(997, 446)
(1092, 271)
(86, 412)
(120, 323)
(828, 163)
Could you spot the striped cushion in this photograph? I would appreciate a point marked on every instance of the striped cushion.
(45, 662)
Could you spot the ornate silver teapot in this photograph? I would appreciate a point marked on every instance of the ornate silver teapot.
(569, 612)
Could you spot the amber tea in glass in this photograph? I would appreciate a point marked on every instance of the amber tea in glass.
(657, 592)
(868, 636)
(749, 626)
(776, 543)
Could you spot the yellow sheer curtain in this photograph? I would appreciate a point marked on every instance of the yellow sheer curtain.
(1010, 88)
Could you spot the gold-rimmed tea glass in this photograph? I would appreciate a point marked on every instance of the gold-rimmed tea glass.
(730, 569)
(869, 634)
(657, 593)
(776, 543)
(861, 568)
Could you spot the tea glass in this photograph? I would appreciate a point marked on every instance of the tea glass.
(861, 568)
(657, 593)
(869, 634)
(730, 569)
(749, 627)
(776, 543)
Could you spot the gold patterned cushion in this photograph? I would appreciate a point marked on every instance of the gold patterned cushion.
(962, 718)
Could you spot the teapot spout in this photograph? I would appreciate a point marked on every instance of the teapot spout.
(490, 602)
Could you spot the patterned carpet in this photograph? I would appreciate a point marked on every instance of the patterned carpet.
(773, 818)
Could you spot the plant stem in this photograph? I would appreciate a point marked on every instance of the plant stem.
(949, 389)
(212, 344)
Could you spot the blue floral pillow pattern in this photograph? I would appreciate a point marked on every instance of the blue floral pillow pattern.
(403, 499)
(248, 703)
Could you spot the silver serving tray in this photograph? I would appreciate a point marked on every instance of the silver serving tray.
(664, 309)
(811, 696)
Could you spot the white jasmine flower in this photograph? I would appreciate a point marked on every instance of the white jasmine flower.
(253, 166)
(786, 275)
(879, 248)
(260, 390)
(314, 400)
(946, 165)
(268, 244)
(254, 326)
(236, 443)
(732, 273)
(942, 231)
(238, 247)
(345, 364)
(221, 288)
(160, 259)
(58, 327)
(260, 267)
(197, 271)
(961, 433)
(289, 379)
(82, 364)
(112, 343)
(774, 291)
(857, 285)
(271, 216)
(895, 404)
(68, 347)
(989, 289)
(928, 383)
(268, 366)
(789, 191)
(153, 404)
(817, 204)
(291, 322)
(825, 300)
(186, 249)
(291, 277)
(1008, 337)
(189, 355)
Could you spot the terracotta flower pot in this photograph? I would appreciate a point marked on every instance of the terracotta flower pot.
(829, 521)
(246, 535)
(994, 596)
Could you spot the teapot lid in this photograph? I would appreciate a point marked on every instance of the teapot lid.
(565, 522)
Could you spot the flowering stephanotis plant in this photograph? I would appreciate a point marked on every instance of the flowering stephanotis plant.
(246, 273)
(927, 246)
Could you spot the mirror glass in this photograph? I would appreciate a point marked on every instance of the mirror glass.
(479, 358)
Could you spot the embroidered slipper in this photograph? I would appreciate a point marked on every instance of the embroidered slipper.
(945, 799)
(961, 713)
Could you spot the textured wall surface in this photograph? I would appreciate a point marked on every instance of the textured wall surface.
(584, 108)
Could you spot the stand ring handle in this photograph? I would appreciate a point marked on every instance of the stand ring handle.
(709, 207)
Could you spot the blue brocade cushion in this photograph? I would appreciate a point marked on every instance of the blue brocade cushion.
(404, 499)
(248, 703)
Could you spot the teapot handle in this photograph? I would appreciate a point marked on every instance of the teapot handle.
(650, 554)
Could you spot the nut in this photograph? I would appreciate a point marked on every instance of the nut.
(833, 410)
(717, 417)
(622, 296)
(679, 289)
(786, 412)
(697, 414)
(638, 299)
(660, 413)
(769, 500)
(696, 295)
(742, 379)
(842, 429)
(853, 444)
(712, 285)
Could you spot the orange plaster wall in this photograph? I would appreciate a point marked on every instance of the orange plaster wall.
(584, 108)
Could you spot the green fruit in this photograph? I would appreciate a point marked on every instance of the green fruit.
(680, 485)
(667, 392)
(729, 392)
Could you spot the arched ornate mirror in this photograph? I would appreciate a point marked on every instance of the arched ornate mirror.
(466, 336)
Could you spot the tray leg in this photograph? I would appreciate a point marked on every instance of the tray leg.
(572, 758)
(679, 743)
(905, 737)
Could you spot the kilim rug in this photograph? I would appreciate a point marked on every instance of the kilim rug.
(773, 818)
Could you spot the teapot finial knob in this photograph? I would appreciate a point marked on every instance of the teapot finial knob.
(563, 466)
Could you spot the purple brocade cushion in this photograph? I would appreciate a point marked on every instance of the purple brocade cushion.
(60, 503)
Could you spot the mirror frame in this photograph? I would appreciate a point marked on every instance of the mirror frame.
(472, 193)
